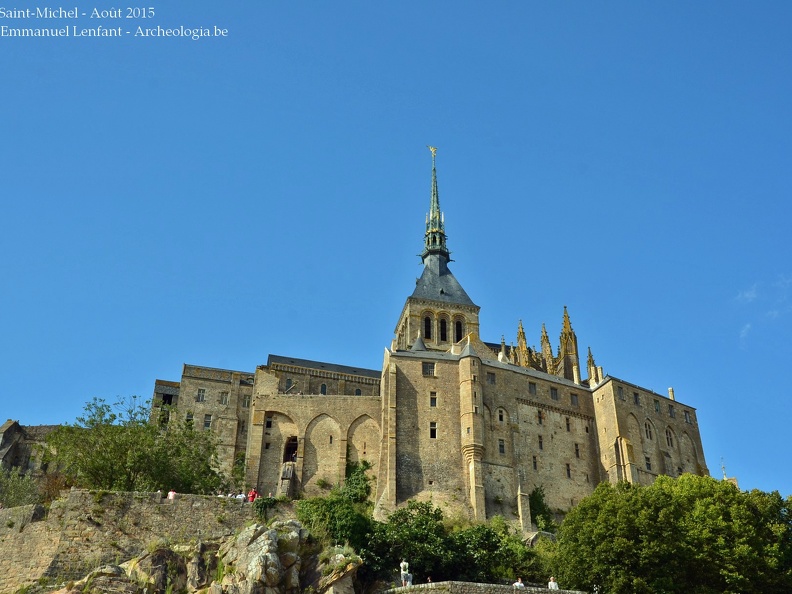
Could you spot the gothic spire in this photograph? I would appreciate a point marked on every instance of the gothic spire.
(435, 237)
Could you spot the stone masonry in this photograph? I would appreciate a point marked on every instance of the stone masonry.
(472, 426)
(87, 529)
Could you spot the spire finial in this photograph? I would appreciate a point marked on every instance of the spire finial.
(435, 238)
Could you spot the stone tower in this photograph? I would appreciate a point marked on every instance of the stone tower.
(439, 311)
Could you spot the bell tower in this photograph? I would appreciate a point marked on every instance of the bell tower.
(438, 312)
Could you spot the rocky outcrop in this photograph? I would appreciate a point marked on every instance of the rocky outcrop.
(281, 558)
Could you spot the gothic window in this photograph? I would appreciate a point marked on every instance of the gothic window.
(501, 446)
(428, 328)
(443, 330)
(428, 369)
(648, 430)
(669, 438)
(323, 389)
(200, 396)
(432, 430)
(457, 331)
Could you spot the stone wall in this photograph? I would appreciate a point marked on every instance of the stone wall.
(470, 588)
(86, 529)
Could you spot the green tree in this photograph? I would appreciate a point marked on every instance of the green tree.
(692, 534)
(416, 533)
(541, 513)
(117, 448)
(17, 489)
(344, 515)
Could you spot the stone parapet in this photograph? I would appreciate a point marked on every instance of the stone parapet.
(471, 588)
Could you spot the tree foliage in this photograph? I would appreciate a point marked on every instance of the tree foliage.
(17, 489)
(540, 512)
(117, 448)
(692, 534)
(344, 515)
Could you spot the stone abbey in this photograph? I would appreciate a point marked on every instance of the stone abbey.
(473, 426)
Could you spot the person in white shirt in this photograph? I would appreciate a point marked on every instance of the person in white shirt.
(553, 585)
(519, 583)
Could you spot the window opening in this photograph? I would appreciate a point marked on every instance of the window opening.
(290, 450)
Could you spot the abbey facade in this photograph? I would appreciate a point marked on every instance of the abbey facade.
(471, 425)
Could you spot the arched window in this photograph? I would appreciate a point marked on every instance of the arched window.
(457, 331)
(443, 331)
(669, 438)
(323, 389)
(648, 429)
(428, 328)
(358, 392)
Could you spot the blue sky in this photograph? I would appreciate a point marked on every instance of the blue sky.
(170, 201)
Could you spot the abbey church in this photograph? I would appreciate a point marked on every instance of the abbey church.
(473, 426)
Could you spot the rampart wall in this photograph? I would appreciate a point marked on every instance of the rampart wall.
(86, 529)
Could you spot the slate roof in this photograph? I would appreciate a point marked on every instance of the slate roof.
(323, 366)
(438, 284)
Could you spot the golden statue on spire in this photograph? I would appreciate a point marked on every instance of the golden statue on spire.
(433, 149)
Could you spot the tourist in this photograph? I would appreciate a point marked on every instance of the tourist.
(252, 495)
(519, 583)
(172, 494)
(553, 585)
(404, 570)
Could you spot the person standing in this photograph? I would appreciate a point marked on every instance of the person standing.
(553, 585)
(404, 569)
(519, 584)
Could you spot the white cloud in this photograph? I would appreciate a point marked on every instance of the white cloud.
(748, 295)
(746, 329)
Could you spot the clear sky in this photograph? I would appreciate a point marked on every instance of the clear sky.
(168, 200)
